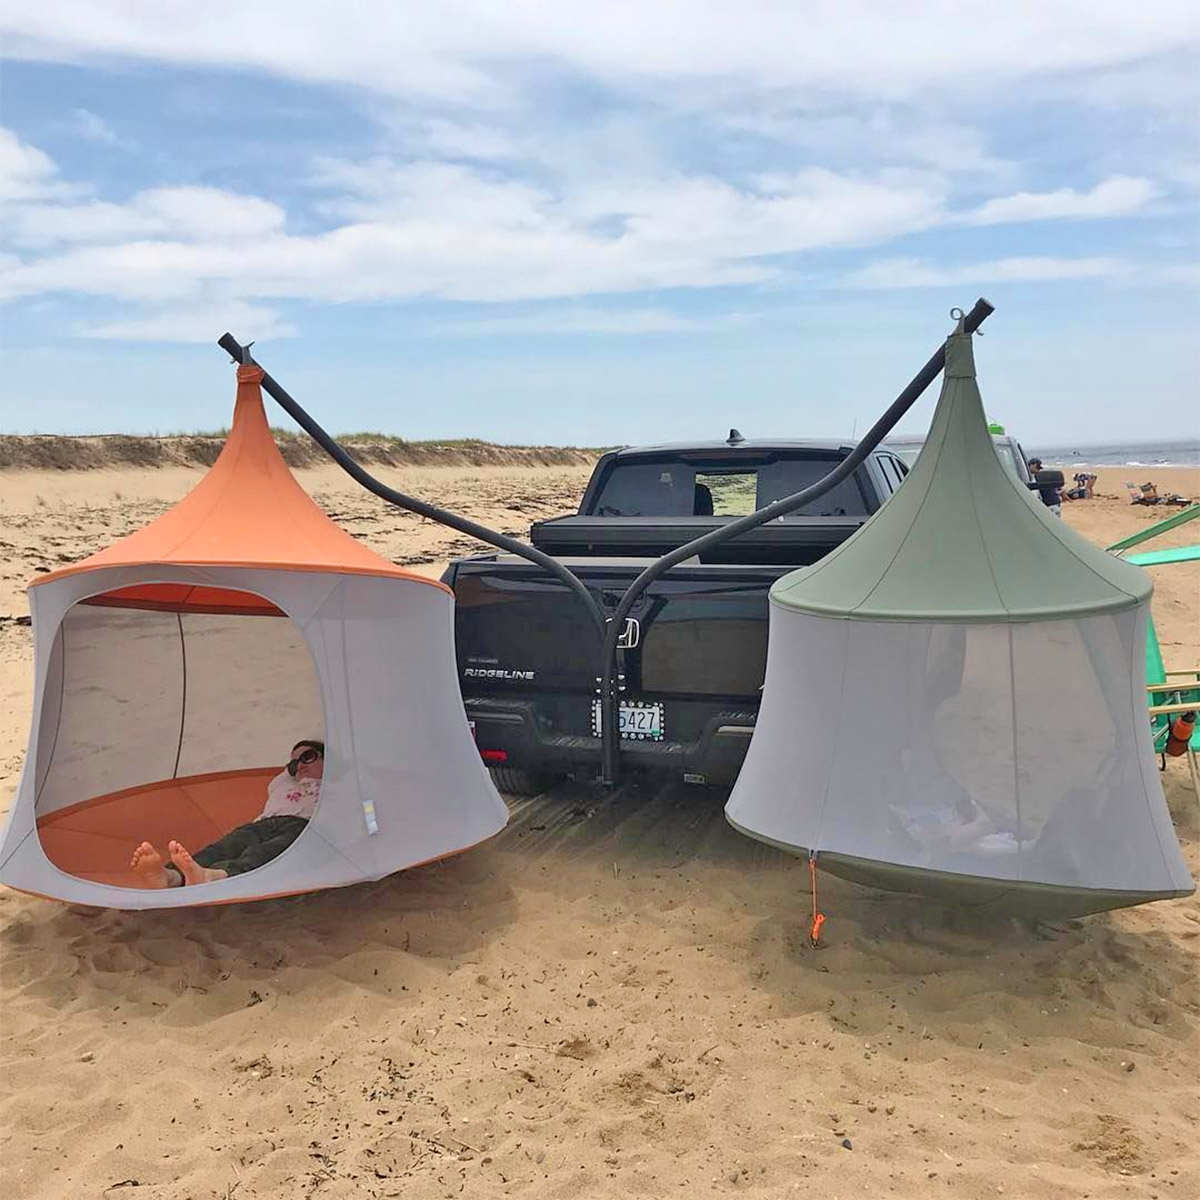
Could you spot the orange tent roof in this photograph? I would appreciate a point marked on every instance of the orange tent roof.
(247, 511)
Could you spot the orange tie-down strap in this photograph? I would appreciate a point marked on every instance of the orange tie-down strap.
(818, 917)
(95, 839)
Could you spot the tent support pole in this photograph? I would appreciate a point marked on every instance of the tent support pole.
(241, 354)
(610, 630)
(609, 691)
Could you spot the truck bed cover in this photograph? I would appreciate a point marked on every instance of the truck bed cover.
(794, 540)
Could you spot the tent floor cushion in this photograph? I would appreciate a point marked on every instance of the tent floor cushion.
(95, 839)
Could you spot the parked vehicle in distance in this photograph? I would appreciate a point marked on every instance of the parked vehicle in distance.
(908, 446)
(695, 645)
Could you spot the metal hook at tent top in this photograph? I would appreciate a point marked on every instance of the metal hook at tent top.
(957, 314)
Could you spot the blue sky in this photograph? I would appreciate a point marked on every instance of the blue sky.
(594, 224)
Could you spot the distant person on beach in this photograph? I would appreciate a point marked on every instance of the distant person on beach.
(1050, 493)
(291, 801)
(1083, 489)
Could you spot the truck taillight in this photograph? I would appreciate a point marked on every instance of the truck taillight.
(494, 756)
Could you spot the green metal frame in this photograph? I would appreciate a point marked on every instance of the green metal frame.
(1152, 531)
(1176, 687)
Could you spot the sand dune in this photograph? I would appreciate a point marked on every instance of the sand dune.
(115, 451)
(616, 997)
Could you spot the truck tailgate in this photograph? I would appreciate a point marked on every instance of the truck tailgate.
(529, 655)
(700, 632)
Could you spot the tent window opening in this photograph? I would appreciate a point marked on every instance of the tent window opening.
(173, 715)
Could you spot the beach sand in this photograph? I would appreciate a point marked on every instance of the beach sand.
(615, 997)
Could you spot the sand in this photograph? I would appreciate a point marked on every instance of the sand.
(615, 997)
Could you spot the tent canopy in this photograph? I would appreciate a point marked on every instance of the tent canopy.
(247, 511)
(962, 540)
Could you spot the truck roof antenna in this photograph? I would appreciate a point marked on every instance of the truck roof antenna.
(735, 438)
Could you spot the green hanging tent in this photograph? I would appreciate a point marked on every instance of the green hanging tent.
(954, 699)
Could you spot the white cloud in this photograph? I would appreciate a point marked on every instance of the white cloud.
(460, 49)
(428, 229)
(1157, 84)
(96, 129)
(375, 262)
(1120, 196)
(782, 214)
(203, 322)
(884, 134)
(186, 213)
(25, 172)
(459, 233)
(484, 215)
(441, 138)
(916, 273)
(382, 189)
(593, 321)
(1187, 273)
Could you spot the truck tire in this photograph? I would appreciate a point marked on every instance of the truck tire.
(519, 782)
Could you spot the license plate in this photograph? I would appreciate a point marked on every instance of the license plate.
(639, 722)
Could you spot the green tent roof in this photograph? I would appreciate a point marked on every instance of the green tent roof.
(961, 540)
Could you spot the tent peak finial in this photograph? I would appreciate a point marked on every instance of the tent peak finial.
(236, 351)
(960, 317)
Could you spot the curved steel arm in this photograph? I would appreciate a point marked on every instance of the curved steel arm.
(610, 630)
(609, 694)
(331, 447)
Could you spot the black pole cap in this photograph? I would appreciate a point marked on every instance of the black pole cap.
(239, 353)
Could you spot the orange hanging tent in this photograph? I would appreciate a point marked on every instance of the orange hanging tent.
(247, 511)
(175, 669)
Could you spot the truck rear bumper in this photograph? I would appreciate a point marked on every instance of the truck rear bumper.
(509, 733)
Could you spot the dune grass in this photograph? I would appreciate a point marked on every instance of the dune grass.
(374, 436)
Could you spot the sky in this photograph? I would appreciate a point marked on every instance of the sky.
(565, 223)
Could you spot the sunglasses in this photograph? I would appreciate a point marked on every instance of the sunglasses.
(302, 760)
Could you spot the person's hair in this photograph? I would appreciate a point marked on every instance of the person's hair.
(319, 747)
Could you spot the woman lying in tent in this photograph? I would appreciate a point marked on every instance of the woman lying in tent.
(291, 801)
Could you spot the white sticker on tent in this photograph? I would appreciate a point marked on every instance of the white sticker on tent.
(368, 807)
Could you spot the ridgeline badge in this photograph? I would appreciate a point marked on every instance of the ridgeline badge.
(496, 673)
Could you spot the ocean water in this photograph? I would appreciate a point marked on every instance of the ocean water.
(1181, 452)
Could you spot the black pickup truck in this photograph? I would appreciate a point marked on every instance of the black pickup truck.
(695, 645)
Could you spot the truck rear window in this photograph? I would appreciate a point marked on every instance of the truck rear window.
(678, 488)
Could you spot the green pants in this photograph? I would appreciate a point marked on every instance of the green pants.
(250, 846)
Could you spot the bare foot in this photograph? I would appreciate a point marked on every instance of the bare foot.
(148, 864)
(190, 869)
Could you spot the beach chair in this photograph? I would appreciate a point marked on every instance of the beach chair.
(1147, 493)
(1170, 693)
(1176, 693)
